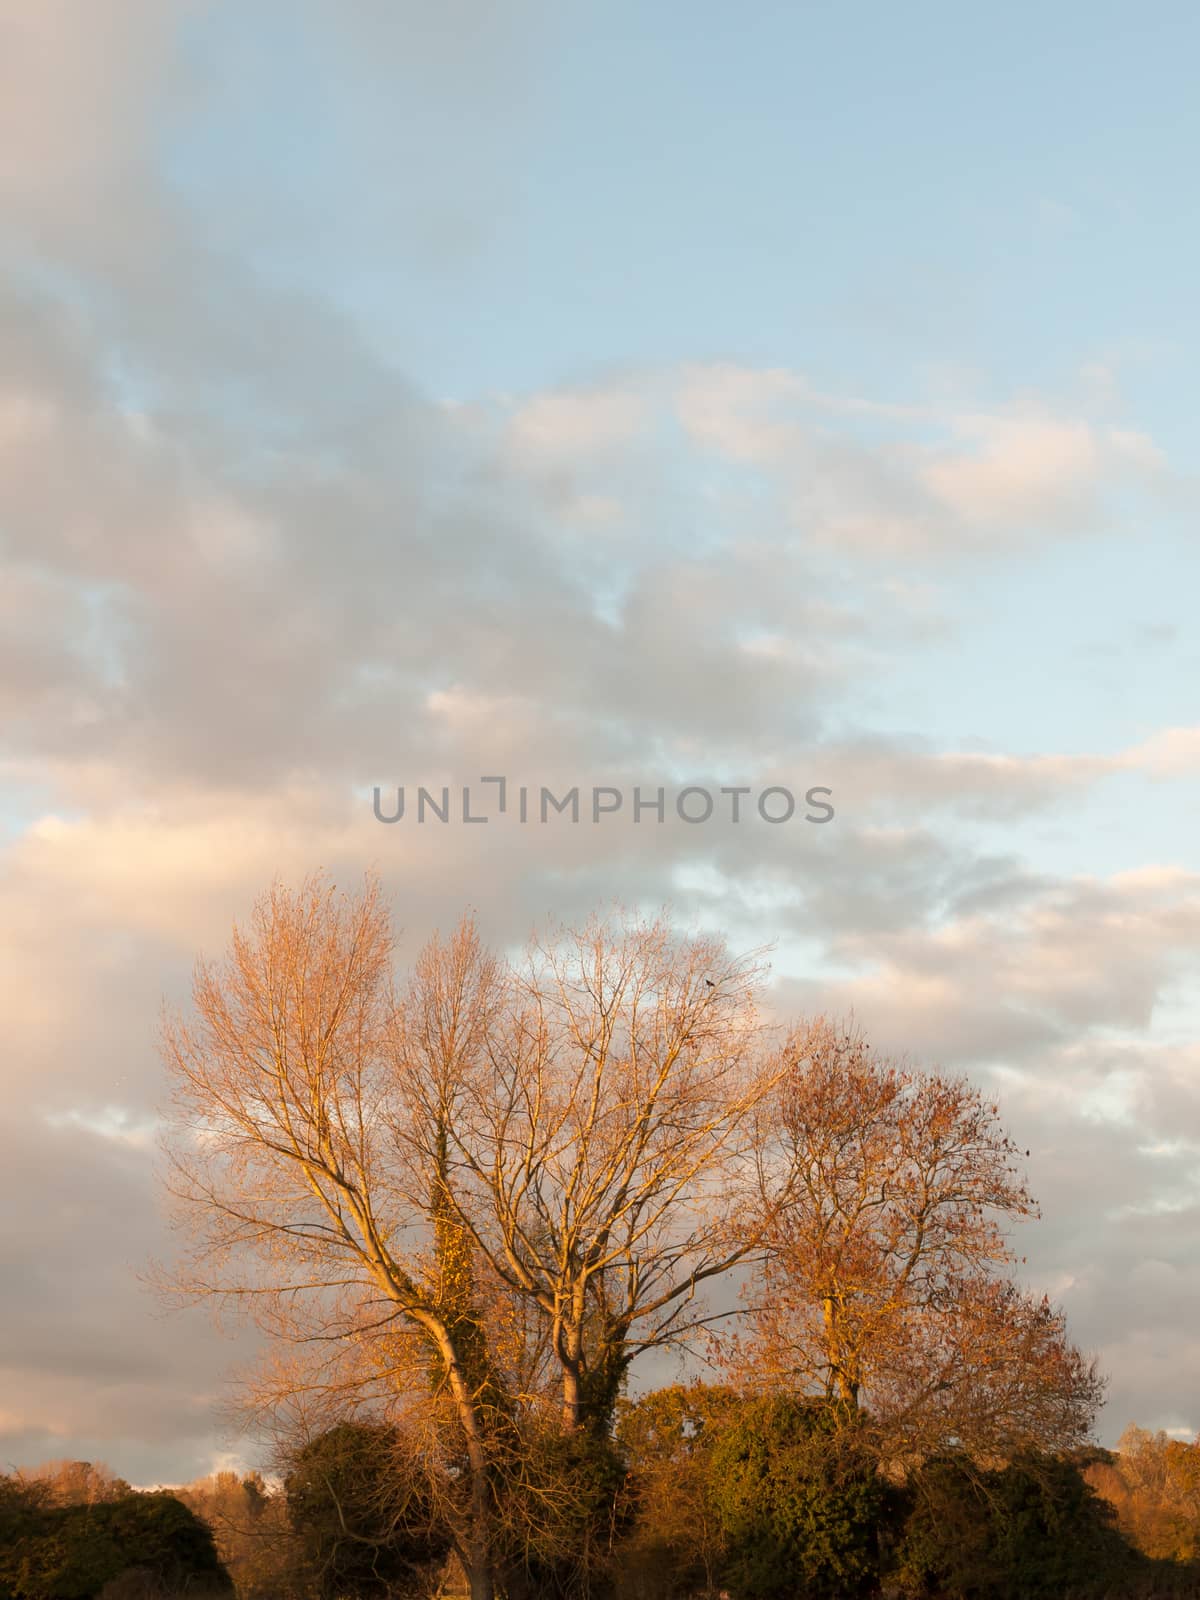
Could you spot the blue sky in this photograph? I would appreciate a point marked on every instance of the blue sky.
(625, 393)
(921, 203)
(861, 192)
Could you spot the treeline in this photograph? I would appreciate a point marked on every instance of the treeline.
(705, 1492)
(768, 1498)
(71, 1531)
(464, 1202)
(1153, 1484)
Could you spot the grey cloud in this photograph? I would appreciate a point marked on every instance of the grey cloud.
(87, 1365)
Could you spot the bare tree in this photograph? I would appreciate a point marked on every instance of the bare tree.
(305, 1203)
(884, 1195)
(601, 1147)
(442, 1206)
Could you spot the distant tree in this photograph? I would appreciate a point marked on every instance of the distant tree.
(1153, 1484)
(310, 1183)
(799, 1500)
(603, 1140)
(79, 1483)
(494, 1189)
(462, 1207)
(884, 1198)
(250, 1525)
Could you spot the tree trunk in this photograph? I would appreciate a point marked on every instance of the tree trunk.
(569, 1345)
(479, 1576)
(476, 1546)
(571, 1400)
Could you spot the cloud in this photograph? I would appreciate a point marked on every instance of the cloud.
(249, 569)
(576, 424)
(1019, 470)
(75, 89)
(1116, 1126)
(88, 1365)
(1034, 473)
(937, 480)
(1021, 965)
(1171, 752)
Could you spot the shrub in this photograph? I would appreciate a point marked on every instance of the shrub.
(799, 1502)
(362, 1515)
(1034, 1528)
(73, 1552)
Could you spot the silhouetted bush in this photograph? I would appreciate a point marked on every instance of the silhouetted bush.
(562, 1522)
(73, 1552)
(362, 1516)
(1034, 1528)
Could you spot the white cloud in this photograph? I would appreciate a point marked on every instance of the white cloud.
(1171, 752)
(570, 425)
(939, 478)
(1017, 470)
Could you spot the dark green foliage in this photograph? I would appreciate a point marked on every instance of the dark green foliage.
(72, 1552)
(362, 1514)
(700, 1490)
(21, 1507)
(798, 1500)
(567, 1516)
(1034, 1528)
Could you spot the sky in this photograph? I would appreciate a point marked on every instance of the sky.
(623, 395)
